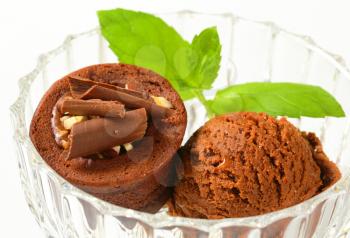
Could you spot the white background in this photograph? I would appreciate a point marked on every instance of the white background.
(31, 27)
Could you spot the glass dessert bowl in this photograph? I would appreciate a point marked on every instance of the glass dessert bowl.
(251, 51)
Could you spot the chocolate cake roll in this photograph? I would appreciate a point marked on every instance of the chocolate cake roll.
(112, 131)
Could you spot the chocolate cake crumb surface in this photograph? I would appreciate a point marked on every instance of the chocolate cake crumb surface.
(131, 179)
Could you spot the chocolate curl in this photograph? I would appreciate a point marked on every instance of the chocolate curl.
(130, 101)
(79, 85)
(96, 135)
(92, 108)
(118, 84)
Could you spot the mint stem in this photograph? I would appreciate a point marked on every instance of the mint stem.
(203, 100)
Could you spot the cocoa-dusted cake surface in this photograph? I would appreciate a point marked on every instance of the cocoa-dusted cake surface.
(138, 179)
(245, 164)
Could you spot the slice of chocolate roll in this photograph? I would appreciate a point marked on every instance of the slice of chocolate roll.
(112, 130)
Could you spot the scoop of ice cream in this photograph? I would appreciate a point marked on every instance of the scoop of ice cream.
(245, 164)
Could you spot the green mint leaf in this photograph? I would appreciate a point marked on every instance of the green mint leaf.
(206, 55)
(145, 40)
(278, 99)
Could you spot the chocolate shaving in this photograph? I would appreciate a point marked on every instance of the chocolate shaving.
(130, 101)
(118, 84)
(92, 108)
(79, 85)
(96, 135)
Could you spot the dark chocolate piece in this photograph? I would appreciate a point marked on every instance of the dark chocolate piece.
(92, 107)
(79, 85)
(130, 101)
(96, 135)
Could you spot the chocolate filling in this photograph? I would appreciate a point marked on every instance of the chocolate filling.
(60, 133)
(95, 117)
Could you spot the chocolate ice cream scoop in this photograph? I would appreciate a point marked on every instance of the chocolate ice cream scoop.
(245, 164)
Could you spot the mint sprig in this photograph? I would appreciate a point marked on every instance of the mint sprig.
(146, 40)
(206, 57)
(277, 99)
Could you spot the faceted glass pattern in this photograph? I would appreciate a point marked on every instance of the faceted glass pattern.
(251, 51)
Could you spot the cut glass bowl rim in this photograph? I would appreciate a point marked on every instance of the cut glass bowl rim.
(161, 219)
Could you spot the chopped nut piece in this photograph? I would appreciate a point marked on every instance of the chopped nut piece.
(100, 156)
(62, 119)
(62, 133)
(163, 102)
(65, 144)
(128, 146)
(116, 148)
(80, 118)
(68, 123)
